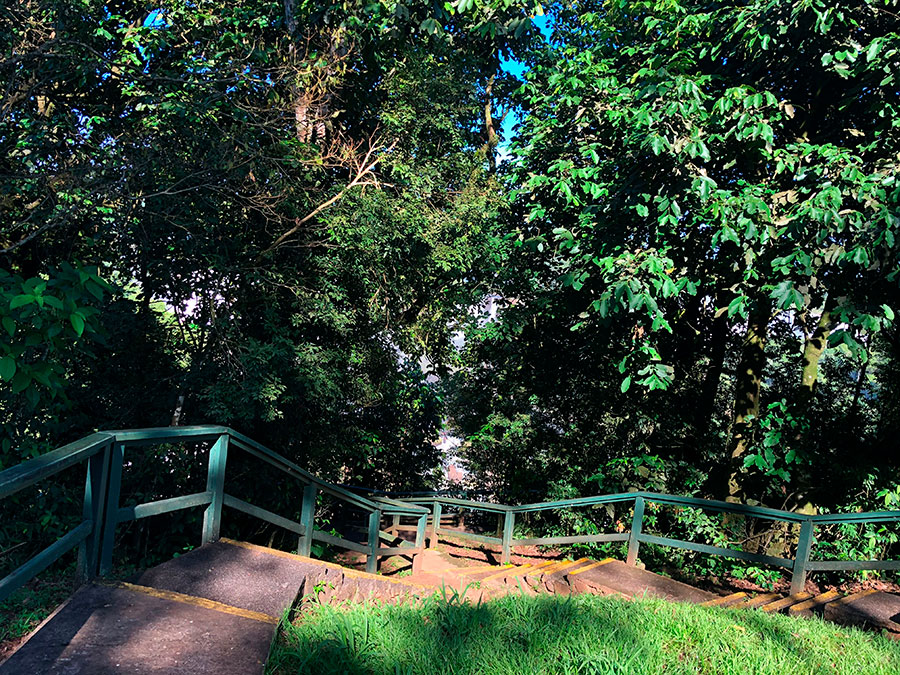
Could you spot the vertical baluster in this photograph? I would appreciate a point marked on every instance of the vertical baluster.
(798, 573)
(633, 536)
(509, 521)
(111, 506)
(307, 519)
(435, 524)
(420, 530)
(374, 527)
(94, 496)
(215, 483)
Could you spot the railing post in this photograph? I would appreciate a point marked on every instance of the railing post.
(509, 521)
(435, 525)
(374, 527)
(636, 523)
(111, 506)
(94, 496)
(307, 518)
(798, 572)
(420, 530)
(215, 483)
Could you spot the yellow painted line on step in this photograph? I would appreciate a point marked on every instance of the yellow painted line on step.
(543, 565)
(715, 602)
(763, 599)
(552, 567)
(347, 571)
(564, 565)
(822, 599)
(509, 571)
(779, 605)
(192, 600)
(592, 566)
(462, 571)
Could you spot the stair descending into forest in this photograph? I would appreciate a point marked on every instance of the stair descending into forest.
(216, 609)
(213, 610)
(870, 608)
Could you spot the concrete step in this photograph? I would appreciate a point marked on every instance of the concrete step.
(872, 609)
(813, 605)
(256, 578)
(213, 610)
(107, 630)
(726, 600)
(758, 601)
(784, 603)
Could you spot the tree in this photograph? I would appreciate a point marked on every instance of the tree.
(739, 158)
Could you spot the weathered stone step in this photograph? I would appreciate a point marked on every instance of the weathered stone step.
(107, 630)
(726, 600)
(256, 578)
(213, 610)
(783, 603)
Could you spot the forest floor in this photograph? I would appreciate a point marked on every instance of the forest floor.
(27, 607)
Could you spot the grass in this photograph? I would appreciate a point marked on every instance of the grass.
(519, 635)
(27, 607)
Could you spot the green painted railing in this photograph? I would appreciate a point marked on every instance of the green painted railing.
(799, 566)
(104, 456)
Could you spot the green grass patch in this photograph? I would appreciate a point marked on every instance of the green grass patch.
(27, 607)
(518, 635)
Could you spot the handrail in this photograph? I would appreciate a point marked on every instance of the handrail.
(104, 454)
(799, 566)
(34, 470)
(290, 467)
(464, 503)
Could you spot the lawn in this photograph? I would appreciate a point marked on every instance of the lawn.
(520, 635)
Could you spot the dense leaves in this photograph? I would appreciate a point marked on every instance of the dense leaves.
(703, 258)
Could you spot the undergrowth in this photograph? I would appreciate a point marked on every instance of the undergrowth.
(27, 607)
(519, 635)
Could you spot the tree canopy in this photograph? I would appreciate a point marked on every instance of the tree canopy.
(304, 221)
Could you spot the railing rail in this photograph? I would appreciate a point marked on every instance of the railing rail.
(799, 566)
(104, 454)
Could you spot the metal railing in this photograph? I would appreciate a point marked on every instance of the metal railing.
(799, 566)
(104, 456)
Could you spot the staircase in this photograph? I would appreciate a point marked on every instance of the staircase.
(213, 610)
(870, 608)
(216, 609)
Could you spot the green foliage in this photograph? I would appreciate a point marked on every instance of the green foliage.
(680, 170)
(47, 322)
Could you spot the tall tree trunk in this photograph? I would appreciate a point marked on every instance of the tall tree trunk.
(746, 395)
(812, 353)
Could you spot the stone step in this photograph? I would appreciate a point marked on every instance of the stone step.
(213, 610)
(808, 607)
(111, 630)
(726, 600)
(784, 603)
(758, 601)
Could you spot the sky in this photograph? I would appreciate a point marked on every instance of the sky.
(518, 68)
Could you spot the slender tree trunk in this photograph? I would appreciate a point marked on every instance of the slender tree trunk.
(746, 396)
(812, 353)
